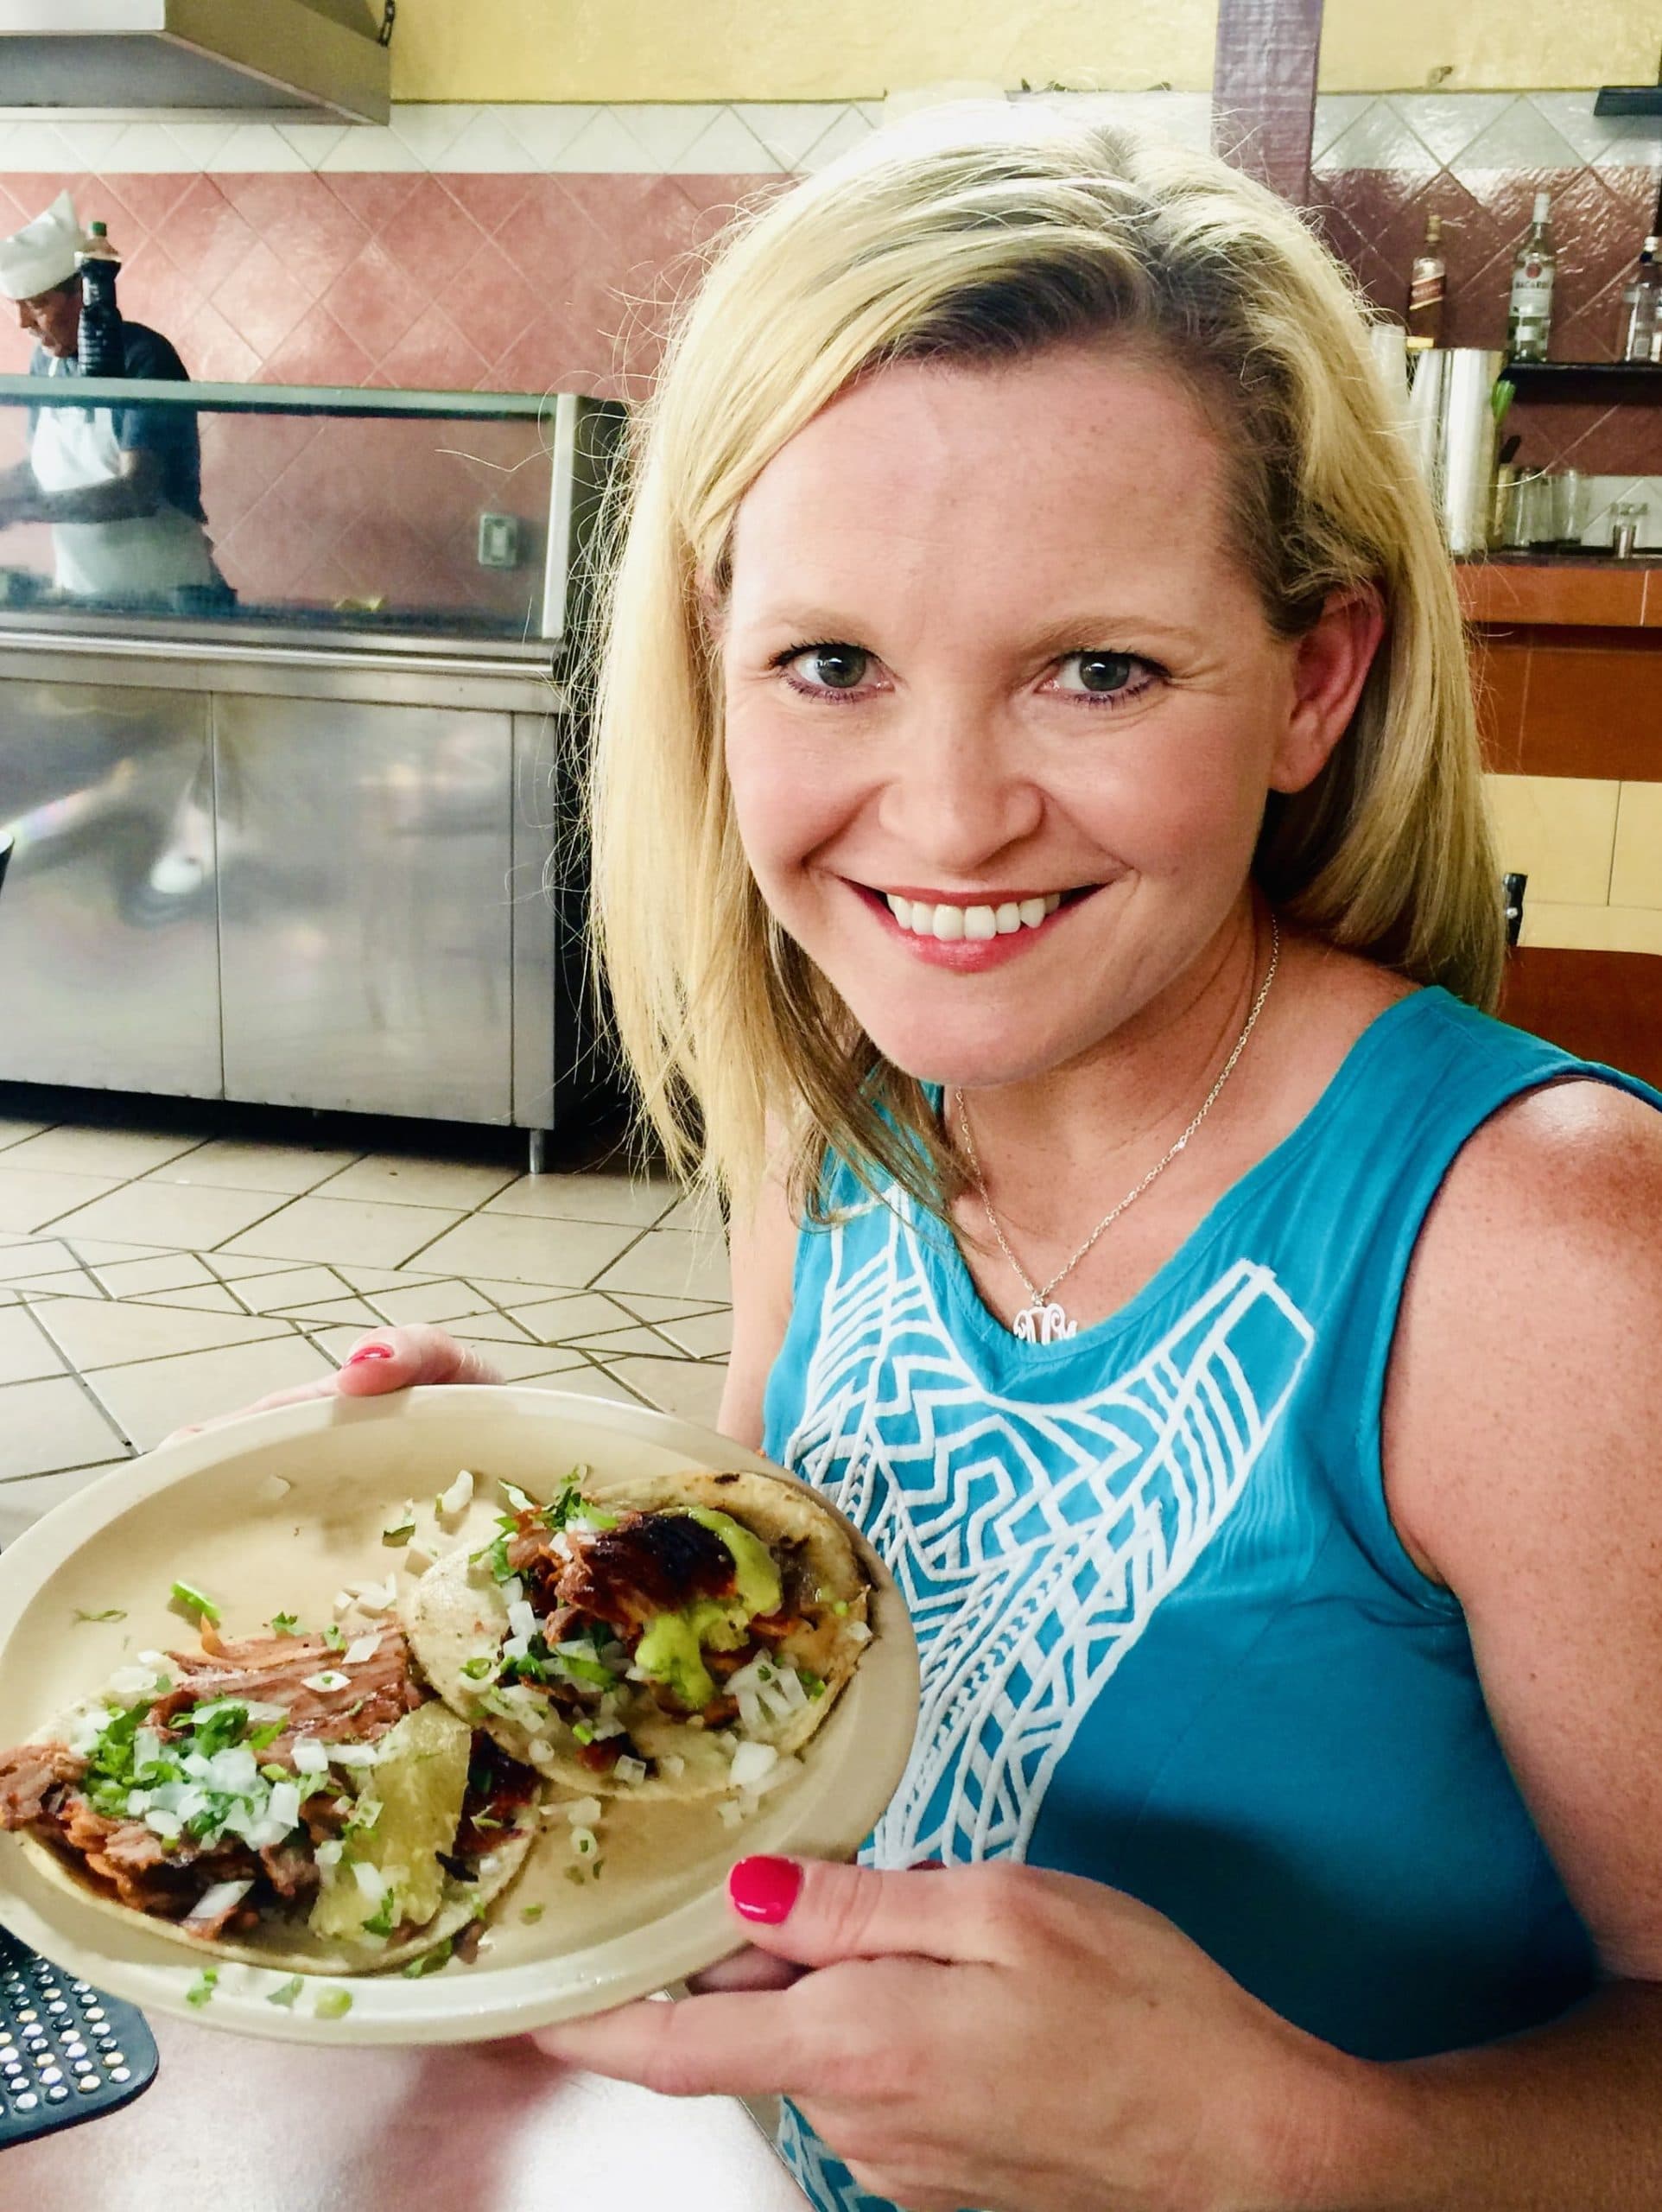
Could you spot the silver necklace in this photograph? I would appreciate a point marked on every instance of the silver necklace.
(1044, 1321)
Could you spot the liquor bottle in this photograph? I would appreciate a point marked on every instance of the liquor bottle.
(1426, 286)
(1638, 336)
(100, 348)
(1529, 319)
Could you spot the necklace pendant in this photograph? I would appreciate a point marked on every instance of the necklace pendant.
(1044, 1325)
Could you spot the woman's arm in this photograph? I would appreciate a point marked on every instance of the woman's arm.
(1523, 1466)
(762, 1247)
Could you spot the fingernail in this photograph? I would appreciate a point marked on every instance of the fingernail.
(764, 1889)
(369, 1351)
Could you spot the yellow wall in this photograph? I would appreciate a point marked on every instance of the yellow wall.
(862, 49)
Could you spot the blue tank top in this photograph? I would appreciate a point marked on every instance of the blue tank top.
(1171, 1640)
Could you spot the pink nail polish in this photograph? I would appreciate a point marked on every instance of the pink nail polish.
(764, 1889)
(369, 1351)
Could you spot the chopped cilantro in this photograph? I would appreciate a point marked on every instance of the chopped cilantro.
(429, 1961)
(332, 2003)
(195, 1604)
(202, 1988)
(335, 1637)
(531, 1914)
(575, 1874)
(274, 1773)
(285, 1992)
(385, 1916)
(810, 1681)
(401, 1534)
(477, 1670)
(582, 1732)
(219, 1726)
(266, 1734)
(284, 1624)
(109, 1613)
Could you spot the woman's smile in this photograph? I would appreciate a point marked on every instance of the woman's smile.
(968, 932)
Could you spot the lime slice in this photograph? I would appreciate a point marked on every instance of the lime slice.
(417, 1783)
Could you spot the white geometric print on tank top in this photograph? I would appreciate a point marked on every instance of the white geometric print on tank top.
(1033, 1543)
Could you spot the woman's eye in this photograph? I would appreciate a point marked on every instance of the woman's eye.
(831, 668)
(1102, 673)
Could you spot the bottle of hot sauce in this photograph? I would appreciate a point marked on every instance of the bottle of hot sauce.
(1426, 289)
(101, 349)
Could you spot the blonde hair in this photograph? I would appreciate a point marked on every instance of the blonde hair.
(976, 237)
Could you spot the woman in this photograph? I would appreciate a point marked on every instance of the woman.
(1038, 835)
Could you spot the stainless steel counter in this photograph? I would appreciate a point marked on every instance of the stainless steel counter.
(493, 2127)
(290, 873)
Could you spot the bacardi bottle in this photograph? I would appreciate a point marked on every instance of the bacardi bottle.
(1529, 320)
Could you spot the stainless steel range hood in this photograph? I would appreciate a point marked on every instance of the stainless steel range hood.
(299, 60)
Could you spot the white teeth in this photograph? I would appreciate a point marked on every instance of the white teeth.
(920, 918)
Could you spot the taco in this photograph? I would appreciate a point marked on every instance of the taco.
(684, 1638)
(276, 1800)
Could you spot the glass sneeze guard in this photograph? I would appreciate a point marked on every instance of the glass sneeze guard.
(364, 519)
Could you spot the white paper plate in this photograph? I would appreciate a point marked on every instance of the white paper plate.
(212, 1511)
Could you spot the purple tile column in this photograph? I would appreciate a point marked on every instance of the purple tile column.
(1263, 90)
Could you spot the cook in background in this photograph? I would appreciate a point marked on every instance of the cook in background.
(121, 487)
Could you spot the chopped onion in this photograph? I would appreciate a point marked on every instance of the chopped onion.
(857, 1632)
(219, 1900)
(330, 1679)
(540, 1754)
(285, 1804)
(673, 1764)
(310, 1756)
(512, 1590)
(582, 1812)
(584, 1842)
(516, 1646)
(166, 1825)
(458, 1498)
(750, 1763)
(730, 1812)
(628, 1769)
(522, 1619)
(362, 1647)
(750, 1707)
(329, 1853)
(516, 1498)
(270, 1488)
(370, 1880)
(352, 1754)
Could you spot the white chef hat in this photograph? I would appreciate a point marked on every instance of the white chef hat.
(42, 253)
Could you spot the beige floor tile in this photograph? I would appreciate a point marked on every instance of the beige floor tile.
(351, 1312)
(691, 1387)
(171, 1271)
(646, 1307)
(28, 1199)
(118, 1152)
(77, 1283)
(156, 1396)
(568, 1252)
(52, 1424)
(707, 1336)
(25, 1353)
(177, 1214)
(99, 1252)
(430, 1302)
(204, 1297)
(14, 1132)
(402, 1182)
(290, 1170)
(672, 1264)
(235, 1267)
(640, 1339)
(495, 1328)
(24, 1499)
(112, 1334)
(35, 1256)
(370, 1280)
(596, 1382)
(701, 1213)
(525, 1363)
(557, 1320)
(345, 1228)
(631, 1202)
(281, 1288)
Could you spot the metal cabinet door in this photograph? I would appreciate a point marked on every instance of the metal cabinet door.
(364, 929)
(109, 974)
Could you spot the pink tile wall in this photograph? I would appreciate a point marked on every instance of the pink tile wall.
(460, 282)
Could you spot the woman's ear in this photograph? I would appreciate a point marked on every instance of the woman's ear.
(1329, 665)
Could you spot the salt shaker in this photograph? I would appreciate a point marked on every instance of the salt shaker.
(1625, 518)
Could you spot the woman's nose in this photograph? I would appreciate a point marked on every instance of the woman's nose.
(958, 791)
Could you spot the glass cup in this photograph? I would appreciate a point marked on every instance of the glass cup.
(1571, 486)
(1626, 515)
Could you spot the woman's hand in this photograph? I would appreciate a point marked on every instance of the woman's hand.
(391, 1359)
(996, 2035)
